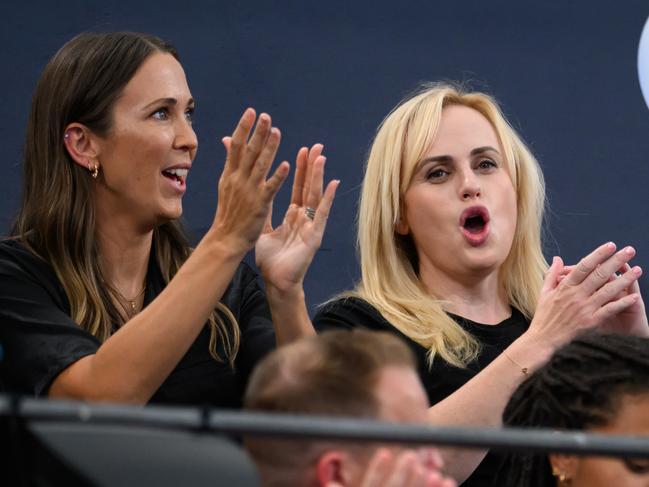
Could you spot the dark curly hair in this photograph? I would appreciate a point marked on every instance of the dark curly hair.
(580, 387)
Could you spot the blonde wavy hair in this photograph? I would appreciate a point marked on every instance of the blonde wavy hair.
(389, 264)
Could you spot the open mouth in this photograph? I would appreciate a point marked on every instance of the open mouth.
(474, 222)
(178, 176)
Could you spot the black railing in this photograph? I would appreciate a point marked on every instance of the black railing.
(295, 426)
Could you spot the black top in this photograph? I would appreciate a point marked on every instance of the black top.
(39, 339)
(442, 379)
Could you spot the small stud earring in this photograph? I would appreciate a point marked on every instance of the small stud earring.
(563, 478)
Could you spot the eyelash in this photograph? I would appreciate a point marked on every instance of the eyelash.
(189, 114)
(437, 174)
(638, 467)
(489, 162)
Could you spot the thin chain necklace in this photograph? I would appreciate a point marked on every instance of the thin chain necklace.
(131, 302)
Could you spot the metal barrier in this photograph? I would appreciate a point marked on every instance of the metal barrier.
(295, 426)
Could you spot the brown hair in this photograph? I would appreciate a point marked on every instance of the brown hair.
(56, 220)
(333, 374)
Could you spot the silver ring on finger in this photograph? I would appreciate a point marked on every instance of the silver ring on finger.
(309, 212)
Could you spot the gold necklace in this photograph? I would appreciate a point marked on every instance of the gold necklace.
(132, 302)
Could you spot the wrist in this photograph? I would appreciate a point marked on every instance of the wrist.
(291, 293)
(530, 351)
(223, 246)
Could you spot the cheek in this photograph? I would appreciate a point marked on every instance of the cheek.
(509, 206)
(427, 210)
(604, 472)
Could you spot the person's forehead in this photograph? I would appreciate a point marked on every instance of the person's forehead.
(159, 76)
(464, 125)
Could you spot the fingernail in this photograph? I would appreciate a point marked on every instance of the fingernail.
(629, 250)
(610, 246)
(637, 270)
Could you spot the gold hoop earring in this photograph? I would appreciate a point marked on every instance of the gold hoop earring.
(94, 170)
(563, 478)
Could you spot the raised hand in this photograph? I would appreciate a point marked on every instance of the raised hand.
(409, 468)
(632, 319)
(590, 295)
(284, 253)
(245, 195)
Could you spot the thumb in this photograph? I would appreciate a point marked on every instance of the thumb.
(226, 143)
(268, 222)
(552, 276)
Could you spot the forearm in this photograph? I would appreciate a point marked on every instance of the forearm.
(289, 314)
(132, 364)
(481, 401)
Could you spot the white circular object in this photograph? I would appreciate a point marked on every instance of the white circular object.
(643, 62)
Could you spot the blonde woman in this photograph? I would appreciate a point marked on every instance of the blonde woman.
(101, 297)
(449, 235)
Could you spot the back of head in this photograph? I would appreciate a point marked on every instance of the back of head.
(389, 262)
(330, 374)
(333, 374)
(581, 387)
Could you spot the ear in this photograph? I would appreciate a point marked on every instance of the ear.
(402, 227)
(564, 467)
(331, 469)
(82, 145)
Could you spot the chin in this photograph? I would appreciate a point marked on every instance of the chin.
(169, 214)
(484, 264)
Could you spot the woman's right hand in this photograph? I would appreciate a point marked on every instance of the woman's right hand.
(586, 296)
(245, 195)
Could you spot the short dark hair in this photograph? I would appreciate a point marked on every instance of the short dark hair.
(580, 387)
(330, 374)
(333, 374)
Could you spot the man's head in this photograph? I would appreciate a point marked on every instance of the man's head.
(359, 374)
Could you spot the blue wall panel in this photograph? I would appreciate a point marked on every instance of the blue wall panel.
(565, 72)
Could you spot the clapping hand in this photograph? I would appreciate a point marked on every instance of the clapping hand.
(245, 195)
(408, 468)
(591, 295)
(283, 254)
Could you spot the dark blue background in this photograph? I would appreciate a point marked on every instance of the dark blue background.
(565, 73)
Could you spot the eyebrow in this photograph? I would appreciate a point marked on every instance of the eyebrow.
(447, 159)
(168, 101)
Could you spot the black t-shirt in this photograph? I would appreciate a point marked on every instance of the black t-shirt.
(442, 379)
(39, 338)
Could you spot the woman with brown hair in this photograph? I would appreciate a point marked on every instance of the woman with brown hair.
(101, 297)
(449, 236)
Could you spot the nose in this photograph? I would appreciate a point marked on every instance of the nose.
(469, 185)
(185, 137)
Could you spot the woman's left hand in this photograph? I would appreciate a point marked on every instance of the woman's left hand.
(283, 254)
(632, 320)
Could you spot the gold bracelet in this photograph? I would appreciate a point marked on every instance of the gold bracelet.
(524, 370)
